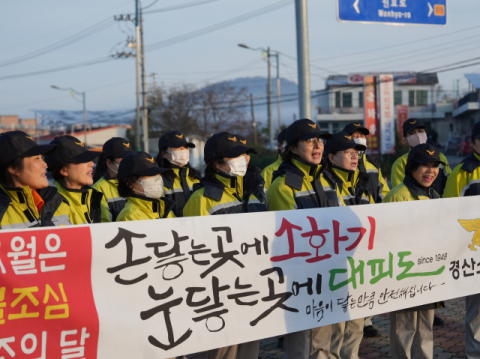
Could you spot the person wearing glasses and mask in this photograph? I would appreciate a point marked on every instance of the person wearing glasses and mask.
(411, 330)
(301, 183)
(221, 191)
(140, 180)
(72, 167)
(105, 177)
(343, 157)
(173, 153)
(26, 200)
(367, 164)
(415, 133)
(267, 172)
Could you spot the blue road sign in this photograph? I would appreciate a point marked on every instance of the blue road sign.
(393, 12)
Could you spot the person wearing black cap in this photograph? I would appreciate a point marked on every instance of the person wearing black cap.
(140, 180)
(367, 164)
(343, 156)
(253, 182)
(413, 327)
(221, 192)
(267, 172)
(26, 200)
(300, 183)
(72, 167)
(465, 181)
(105, 177)
(415, 133)
(173, 153)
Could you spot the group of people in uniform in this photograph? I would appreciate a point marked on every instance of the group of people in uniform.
(314, 169)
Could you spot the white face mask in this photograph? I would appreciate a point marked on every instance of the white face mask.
(238, 166)
(361, 141)
(179, 158)
(417, 139)
(152, 187)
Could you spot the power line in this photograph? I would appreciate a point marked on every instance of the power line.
(181, 6)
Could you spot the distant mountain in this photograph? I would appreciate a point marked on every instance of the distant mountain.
(257, 86)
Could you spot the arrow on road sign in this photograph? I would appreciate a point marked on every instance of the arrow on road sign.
(355, 6)
(431, 9)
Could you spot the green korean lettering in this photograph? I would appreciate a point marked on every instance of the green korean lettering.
(408, 265)
(353, 278)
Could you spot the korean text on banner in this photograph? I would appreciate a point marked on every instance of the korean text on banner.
(387, 115)
(402, 116)
(46, 301)
(370, 107)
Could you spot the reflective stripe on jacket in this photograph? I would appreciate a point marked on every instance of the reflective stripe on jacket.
(178, 186)
(112, 203)
(465, 178)
(267, 172)
(222, 195)
(139, 208)
(398, 173)
(377, 186)
(353, 186)
(18, 210)
(85, 203)
(297, 185)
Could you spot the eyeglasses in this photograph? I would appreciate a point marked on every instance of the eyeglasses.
(314, 142)
(351, 153)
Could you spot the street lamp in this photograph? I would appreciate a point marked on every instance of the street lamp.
(270, 116)
(73, 93)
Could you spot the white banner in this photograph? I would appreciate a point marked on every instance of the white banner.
(387, 115)
(162, 288)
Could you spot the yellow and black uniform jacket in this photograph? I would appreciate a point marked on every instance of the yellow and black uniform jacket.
(465, 178)
(254, 184)
(298, 185)
(410, 190)
(139, 208)
(398, 173)
(18, 208)
(221, 195)
(85, 203)
(112, 203)
(352, 185)
(178, 186)
(267, 172)
(377, 186)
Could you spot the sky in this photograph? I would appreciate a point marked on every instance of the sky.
(183, 47)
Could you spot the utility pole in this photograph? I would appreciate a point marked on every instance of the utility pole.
(303, 59)
(269, 89)
(137, 62)
(279, 105)
(254, 123)
(144, 90)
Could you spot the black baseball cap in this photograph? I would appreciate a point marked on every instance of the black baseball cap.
(356, 126)
(424, 153)
(411, 124)
(305, 129)
(117, 147)
(174, 139)
(342, 141)
(282, 136)
(140, 164)
(476, 131)
(224, 144)
(16, 144)
(69, 149)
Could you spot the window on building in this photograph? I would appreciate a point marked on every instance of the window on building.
(422, 98)
(411, 98)
(397, 98)
(346, 99)
(360, 99)
(338, 104)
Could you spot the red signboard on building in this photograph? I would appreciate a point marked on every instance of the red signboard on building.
(371, 119)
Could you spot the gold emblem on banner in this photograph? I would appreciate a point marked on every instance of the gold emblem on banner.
(472, 225)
